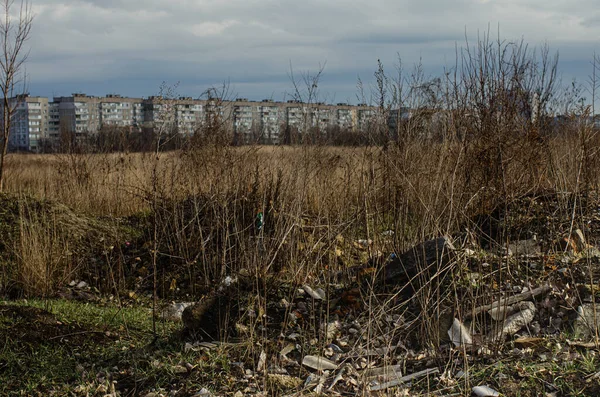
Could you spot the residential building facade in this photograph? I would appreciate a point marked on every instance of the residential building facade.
(264, 122)
(29, 122)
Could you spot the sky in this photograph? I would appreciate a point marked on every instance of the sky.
(130, 47)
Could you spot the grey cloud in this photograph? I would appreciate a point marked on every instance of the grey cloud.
(252, 42)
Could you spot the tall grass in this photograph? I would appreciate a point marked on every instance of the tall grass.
(432, 179)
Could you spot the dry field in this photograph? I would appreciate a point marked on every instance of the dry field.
(176, 224)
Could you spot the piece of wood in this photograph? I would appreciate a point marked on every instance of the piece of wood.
(404, 379)
(511, 300)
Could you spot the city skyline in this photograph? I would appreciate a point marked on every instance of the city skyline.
(130, 47)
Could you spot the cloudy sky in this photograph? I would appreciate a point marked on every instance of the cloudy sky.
(130, 47)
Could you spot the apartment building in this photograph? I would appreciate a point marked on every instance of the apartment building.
(249, 121)
(189, 114)
(269, 121)
(242, 120)
(295, 115)
(80, 114)
(323, 116)
(345, 116)
(29, 123)
(366, 117)
(115, 110)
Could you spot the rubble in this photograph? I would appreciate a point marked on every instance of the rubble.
(485, 391)
(503, 303)
(174, 311)
(586, 323)
(317, 295)
(459, 334)
(529, 248)
(318, 363)
(404, 379)
(515, 322)
(432, 255)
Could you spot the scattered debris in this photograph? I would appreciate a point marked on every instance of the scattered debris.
(318, 363)
(586, 324)
(485, 391)
(525, 248)
(404, 379)
(262, 360)
(290, 347)
(422, 256)
(284, 381)
(386, 373)
(338, 377)
(528, 342)
(515, 322)
(174, 311)
(82, 285)
(502, 303)
(204, 392)
(459, 334)
(312, 293)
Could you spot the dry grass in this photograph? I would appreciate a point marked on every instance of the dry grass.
(420, 190)
(317, 201)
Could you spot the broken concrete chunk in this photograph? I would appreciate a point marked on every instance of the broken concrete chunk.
(174, 311)
(586, 324)
(525, 248)
(499, 313)
(284, 381)
(404, 379)
(485, 391)
(459, 334)
(430, 256)
(262, 360)
(290, 347)
(82, 285)
(312, 293)
(516, 321)
(318, 363)
(386, 373)
(544, 289)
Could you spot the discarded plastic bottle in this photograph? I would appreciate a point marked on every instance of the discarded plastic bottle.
(259, 221)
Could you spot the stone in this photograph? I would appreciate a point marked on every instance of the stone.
(429, 258)
(384, 374)
(587, 321)
(459, 334)
(201, 316)
(82, 285)
(525, 248)
(284, 381)
(204, 392)
(318, 363)
(312, 293)
(515, 322)
(174, 311)
(262, 360)
(485, 391)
